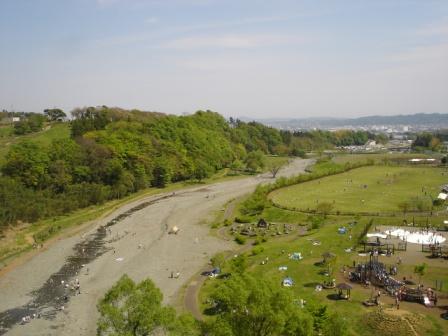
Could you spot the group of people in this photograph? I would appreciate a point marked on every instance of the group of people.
(28, 318)
(72, 285)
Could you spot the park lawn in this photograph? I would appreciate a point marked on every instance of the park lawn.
(374, 189)
(307, 273)
(378, 157)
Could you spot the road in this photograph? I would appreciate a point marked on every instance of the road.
(136, 242)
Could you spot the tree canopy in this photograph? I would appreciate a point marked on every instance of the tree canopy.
(135, 309)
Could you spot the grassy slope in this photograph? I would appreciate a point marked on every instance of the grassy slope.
(386, 188)
(44, 138)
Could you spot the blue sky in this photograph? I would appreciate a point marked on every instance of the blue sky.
(254, 58)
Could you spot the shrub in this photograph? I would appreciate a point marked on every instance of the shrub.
(240, 239)
(257, 250)
(242, 219)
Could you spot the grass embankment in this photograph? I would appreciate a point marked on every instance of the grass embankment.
(378, 189)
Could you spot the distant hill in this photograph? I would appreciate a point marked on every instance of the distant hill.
(418, 121)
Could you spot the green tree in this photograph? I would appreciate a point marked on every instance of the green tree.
(28, 162)
(324, 208)
(161, 175)
(254, 306)
(30, 123)
(255, 160)
(335, 325)
(420, 270)
(55, 114)
(136, 310)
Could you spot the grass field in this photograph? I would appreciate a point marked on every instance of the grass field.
(378, 157)
(376, 189)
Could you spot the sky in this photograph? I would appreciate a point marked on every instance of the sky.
(241, 58)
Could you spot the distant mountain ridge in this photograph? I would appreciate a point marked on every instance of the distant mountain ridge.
(435, 120)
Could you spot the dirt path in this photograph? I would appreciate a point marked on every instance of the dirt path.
(137, 244)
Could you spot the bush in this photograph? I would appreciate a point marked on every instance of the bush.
(242, 219)
(437, 202)
(316, 222)
(240, 239)
(257, 250)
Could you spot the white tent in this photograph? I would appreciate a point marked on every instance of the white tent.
(442, 196)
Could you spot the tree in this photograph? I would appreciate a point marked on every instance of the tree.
(236, 166)
(255, 160)
(135, 309)
(201, 171)
(161, 176)
(404, 206)
(254, 306)
(239, 264)
(55, 114)
(324, 208)
(420, 270)
(30, 123)
(335, 325)
(28, 162)
(275, 169)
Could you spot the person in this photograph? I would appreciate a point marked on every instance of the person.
(435, 300)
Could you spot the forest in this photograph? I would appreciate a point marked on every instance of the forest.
(113, 152)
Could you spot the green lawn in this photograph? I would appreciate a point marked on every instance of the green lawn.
(378, 157)
(375, 189)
